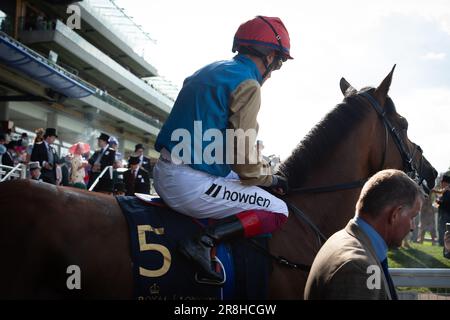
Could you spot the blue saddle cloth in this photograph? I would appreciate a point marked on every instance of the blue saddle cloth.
(161, 273)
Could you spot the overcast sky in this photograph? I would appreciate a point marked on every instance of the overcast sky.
(359, 40)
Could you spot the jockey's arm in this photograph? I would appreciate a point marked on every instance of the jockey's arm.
(244, 108)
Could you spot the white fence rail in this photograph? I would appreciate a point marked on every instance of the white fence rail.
(436, 279)
(110, 169)
(17, 172)
(421, 277)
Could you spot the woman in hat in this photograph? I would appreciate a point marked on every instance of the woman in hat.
(78, 165)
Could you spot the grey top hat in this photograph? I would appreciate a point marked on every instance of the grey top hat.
(34, 165)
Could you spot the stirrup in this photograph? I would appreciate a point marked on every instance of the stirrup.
(210, 281)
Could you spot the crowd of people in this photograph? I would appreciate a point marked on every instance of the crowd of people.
(79, 168)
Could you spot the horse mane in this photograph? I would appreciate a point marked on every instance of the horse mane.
(315, 148)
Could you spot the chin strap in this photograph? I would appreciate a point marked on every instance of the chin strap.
(270, 67)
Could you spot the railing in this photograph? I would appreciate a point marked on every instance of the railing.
(435, 281)
(110, 168)
(421, 277)
(17, 172)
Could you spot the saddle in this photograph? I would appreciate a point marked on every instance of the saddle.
(161, 273)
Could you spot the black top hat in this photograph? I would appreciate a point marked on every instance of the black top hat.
(50, 132)
(446, 178)
(134, 159)
(104, 137)
(138, 146)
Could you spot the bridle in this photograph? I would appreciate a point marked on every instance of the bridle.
(408, 167)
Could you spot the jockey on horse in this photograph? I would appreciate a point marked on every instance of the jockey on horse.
(221, 96)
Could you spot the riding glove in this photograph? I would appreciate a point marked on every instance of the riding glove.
(280, 182)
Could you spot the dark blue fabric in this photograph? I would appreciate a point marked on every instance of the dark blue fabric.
(246, 268)
(384, 264)
(178, 282)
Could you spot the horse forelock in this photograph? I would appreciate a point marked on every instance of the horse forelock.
(319, 143)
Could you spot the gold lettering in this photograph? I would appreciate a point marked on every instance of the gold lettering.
(145, 246)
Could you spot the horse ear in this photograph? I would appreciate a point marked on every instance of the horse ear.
(382, 91)
(346, 87)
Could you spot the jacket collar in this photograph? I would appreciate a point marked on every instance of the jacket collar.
(251, 65)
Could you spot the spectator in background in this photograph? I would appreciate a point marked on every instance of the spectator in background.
(35, 171)
(63, 165)
(23, 141)
(114, 144)
(2, 144)
(118, 174)
(8, 159)
(46, 155)
(144, 162)
(102, 158)
(136, 178)
(444, 207)
(78, 165)
(427, 222)
(447, 243)
(37, 140)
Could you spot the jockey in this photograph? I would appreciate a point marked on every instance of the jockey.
(193, 179)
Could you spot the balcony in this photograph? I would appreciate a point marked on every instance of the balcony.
(110, 29)
(23, 64)
(85, 57)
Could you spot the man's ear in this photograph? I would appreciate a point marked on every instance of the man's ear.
(394, 214)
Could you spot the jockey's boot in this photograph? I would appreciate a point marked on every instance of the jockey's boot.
(198, 248)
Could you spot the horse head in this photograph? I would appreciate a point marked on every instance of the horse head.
(326, 171)
(401, 152)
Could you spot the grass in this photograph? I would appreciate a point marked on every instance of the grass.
(418, 256)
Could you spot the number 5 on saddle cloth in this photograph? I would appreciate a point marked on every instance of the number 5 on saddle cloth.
(161, 273)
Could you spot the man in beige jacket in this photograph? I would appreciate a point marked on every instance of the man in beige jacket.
(352, 264)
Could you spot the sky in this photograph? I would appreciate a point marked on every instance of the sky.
(359, 40)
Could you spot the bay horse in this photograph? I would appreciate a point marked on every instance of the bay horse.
(44, 228)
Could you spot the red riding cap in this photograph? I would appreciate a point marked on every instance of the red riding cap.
(264, 31)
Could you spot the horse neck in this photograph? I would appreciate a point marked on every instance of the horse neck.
(353, 159)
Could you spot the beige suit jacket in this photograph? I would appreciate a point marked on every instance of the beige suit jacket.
(344, 269)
